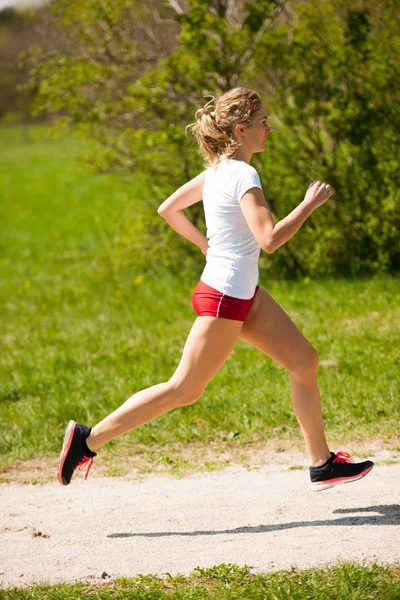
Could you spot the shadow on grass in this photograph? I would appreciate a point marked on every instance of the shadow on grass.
(389, 514)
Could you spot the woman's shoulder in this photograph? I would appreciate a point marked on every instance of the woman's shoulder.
(246, 167)
(245, 171)
(232, 169)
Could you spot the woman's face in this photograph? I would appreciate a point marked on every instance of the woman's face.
(259, 130)
(255, 135)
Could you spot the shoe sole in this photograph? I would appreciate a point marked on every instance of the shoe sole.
(68, 437)
(324, 485)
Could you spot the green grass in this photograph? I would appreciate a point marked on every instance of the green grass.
(80, 334)
(230, 582)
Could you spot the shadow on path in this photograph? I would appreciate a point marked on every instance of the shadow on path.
(389, 514)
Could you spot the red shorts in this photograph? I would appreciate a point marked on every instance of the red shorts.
(209, 302)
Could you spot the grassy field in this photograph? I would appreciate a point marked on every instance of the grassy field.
(230, 582)
(80, 335)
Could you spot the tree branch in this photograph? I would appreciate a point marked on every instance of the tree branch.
(176, 6)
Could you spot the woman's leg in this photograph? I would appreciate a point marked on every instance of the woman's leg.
(207, 347)
(268, 328)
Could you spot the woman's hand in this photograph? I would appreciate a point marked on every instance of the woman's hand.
(317, 193)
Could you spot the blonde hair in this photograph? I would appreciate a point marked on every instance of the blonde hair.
(214, 129)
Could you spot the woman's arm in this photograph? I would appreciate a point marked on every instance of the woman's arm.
(188, 194)
(172, 211)
(179, 221)
(317, 193)
(259, 218)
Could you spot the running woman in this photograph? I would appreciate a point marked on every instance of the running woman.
(227, 299)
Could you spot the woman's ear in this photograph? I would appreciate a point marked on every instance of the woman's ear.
(240, 129)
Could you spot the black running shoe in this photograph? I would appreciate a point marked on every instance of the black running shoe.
(74, 454)
(340, 468)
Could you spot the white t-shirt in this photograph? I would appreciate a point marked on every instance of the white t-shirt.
(233, 253)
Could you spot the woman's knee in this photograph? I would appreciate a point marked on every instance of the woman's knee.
(307, 361)
(184, 392)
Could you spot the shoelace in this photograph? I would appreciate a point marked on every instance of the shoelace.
(343, 457)
(85, 462)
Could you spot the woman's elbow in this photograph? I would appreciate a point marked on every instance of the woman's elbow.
(269, 248)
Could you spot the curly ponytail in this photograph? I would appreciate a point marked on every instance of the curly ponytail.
(214, 129)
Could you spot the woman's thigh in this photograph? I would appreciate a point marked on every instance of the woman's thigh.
(207, 347)
(269, 328)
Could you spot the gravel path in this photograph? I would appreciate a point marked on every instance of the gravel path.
(268, 519)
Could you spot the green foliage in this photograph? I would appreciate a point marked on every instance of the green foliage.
(329, 73)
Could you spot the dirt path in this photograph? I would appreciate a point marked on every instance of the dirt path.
(268, 519)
